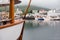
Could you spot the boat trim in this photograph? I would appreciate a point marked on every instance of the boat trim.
(11, 24)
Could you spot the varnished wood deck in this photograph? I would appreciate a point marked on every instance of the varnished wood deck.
(11, 24)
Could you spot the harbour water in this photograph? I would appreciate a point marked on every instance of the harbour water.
(41, 30)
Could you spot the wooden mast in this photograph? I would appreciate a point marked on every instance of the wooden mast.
(11, 13)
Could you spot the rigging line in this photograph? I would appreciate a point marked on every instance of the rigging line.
(25, 12)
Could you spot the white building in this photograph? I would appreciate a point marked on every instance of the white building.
(53, 13)
(34, 11)
(18, 13)
(43, 12)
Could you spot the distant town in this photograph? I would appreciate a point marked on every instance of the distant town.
(33, 14)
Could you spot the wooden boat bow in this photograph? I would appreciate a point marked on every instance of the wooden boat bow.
(15, 22)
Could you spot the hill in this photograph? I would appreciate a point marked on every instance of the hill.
(23, 7)
(31, 7)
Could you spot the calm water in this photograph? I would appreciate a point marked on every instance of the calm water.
(40, 30)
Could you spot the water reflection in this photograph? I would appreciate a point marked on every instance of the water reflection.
(42, 30)
(31, 24)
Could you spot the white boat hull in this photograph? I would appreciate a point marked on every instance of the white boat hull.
(11, 33)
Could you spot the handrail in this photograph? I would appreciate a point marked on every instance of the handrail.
(11, 24)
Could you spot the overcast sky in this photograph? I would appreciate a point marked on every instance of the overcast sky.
(44, 3)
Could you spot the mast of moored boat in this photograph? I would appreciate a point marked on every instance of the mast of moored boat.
(11, 12)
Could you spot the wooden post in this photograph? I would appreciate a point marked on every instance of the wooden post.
(11, 14)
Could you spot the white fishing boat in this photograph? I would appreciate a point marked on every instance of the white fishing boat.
(11, 33)
(11, 30)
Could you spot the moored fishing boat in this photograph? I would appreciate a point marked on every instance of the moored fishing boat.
(12, 29)
(39, 18)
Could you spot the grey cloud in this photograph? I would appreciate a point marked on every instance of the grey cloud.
(44, 3)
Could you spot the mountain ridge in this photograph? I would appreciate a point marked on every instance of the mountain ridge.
(32, 7)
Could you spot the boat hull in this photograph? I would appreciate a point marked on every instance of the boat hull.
(11, 33)
(39, 19)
